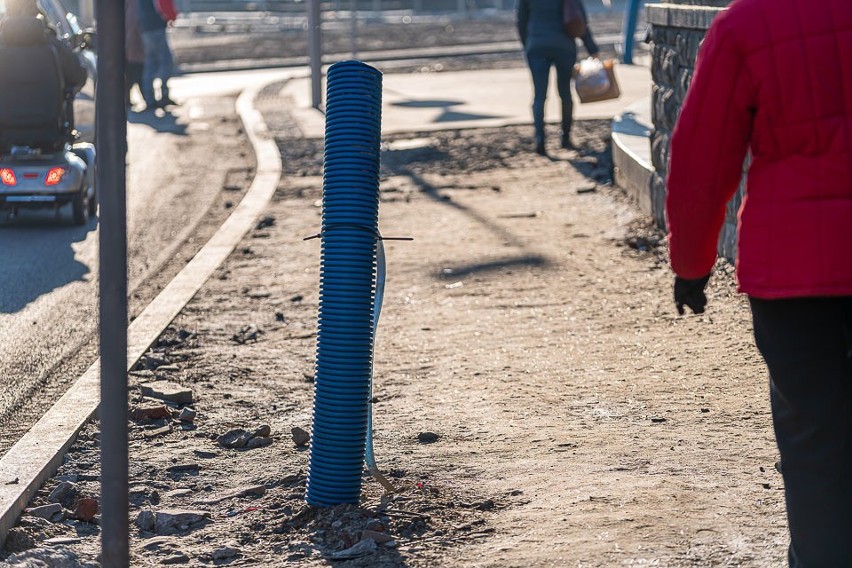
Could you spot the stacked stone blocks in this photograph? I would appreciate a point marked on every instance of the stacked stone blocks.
(676, 33)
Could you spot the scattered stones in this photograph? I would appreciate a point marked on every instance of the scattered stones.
(239, 438)
(143, 374)
(168, 368)
(486, 505)
(253, 490)
(179, 558)
(158, 542)
(62, 540)
(19, 539)
(234, 439)
(177, 493)
(183, 468)
(167, 391)
(145, 520)
(64, 493)
(279, 316)
(187, 415)
(157, 431)
(378, 537)
(362, 548)
(642, 244)
(267, 221)
(247, 333)
(45, 511)
(225, 553)
(257, 294)
(147, 413)
(586, 188)
(300, 436)
(44, 557)
(427, 437)
(152, 362)
(170, 521)
(85, 509)
(205, 455)
(258, 442)
(297, 298)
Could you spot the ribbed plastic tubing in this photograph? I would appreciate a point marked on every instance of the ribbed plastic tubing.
(350, 214)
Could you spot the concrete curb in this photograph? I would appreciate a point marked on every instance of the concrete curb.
(37, 455)
(631, 154)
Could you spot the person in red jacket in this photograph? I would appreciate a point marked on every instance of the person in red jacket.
(774, 78)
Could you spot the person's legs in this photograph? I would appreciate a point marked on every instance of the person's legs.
(151, 67)
(166, 70)
(805, 345)
(564, 72)
(540, 70)
(133, 74)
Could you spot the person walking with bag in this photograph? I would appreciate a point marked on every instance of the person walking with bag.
(154, 17)
(542, 29)
(774, 77)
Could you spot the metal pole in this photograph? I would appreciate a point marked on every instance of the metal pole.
(111, 180)
(353, 16)
(315, 51)
(630, 19)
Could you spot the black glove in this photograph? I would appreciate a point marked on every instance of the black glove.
(690, 293)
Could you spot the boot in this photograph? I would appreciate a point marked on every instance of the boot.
(567, 120)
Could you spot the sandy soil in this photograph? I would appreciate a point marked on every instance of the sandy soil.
(529, 325)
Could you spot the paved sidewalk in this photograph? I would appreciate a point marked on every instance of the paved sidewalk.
(415, 102)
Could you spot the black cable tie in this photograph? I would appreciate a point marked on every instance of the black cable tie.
(354, 226)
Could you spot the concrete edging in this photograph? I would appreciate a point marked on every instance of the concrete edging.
(39, 453)
(631, 155)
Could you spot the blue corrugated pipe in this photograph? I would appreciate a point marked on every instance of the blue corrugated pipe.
(344, 359)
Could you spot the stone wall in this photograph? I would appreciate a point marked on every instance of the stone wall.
(677, 28)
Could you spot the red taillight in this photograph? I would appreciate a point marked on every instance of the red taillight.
(7, 176)
(54, 176)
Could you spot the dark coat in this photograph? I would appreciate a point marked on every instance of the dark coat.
(540, 27)
(26, 31)
(149, 18)
(773, 77)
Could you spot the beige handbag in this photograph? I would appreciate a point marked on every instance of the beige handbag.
(596, 95)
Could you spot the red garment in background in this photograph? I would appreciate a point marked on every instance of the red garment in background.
(775, 77)
(166, 9)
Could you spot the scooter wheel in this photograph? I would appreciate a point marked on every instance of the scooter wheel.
(79, 209)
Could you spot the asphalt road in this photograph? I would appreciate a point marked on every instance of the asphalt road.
(178, 165)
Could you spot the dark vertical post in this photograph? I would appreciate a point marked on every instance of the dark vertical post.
(111, 179)
(630, 18)
(315, 51)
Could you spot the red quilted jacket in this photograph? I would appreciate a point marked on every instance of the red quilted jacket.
(773, 77)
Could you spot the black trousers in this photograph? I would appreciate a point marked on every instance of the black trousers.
(806, 344)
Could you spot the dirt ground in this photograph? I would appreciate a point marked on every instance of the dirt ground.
(577, 420)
